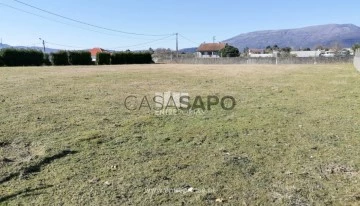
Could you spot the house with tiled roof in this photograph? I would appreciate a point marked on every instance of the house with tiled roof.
(256, 51)
(95, 51)
(209, 50)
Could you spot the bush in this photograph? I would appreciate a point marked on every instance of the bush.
(80, 58)
(118, 58)
(22, 57)
(1, 61)
(229, 51)
(103, 58)
(131, 58)
(144, 58)
(60, 58)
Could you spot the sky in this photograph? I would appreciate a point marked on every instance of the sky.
(196, 21)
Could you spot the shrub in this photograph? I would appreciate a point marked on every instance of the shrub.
(60, 58)
(131, 58)
(118, 58)
(144, 58)
(230, 51)
(103, 58)
(80, 58)
(1, 61)
(22, 57)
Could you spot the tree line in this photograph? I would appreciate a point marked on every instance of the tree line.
(230, 51)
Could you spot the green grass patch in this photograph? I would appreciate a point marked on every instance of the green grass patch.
(292, 139)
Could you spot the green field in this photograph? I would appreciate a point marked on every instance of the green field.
(293, 138)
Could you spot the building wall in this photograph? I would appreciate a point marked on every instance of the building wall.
(296, 53)
(357, 60)
(206, 55)
(306, 53)
(261, 55)
(262, 60)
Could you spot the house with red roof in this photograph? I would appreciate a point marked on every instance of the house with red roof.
(210, 50)
(95, 51)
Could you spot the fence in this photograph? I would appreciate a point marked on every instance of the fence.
(357, 60)
(261, 60)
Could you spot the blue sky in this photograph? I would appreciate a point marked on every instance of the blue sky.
(198, 20)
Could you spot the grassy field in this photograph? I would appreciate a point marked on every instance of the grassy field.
(293, 138)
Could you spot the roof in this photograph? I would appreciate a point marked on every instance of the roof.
(94, 51)
(207, 47)
(256, 50)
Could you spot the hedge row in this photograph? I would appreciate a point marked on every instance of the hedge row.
(103, 58)
(21, 57)
(1, 62)
(80, 58)
(61, 58)
(24, 57)
(131, 58)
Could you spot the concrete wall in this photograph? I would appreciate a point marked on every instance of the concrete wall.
(261, 55)
(208, 55)
(357, 60)
(268, 60)
(306, 53)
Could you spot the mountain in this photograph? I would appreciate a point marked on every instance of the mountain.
(328, 35)
(47, 50)
(188, 50)
(3, 46)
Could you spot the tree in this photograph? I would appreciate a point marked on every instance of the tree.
(284, 52)
(151, 50)
(268, 50)
(229, 51)
(275, 47)
(286, 49)
(246, 51)
(355, 47)
(319, 47)
(336, 47)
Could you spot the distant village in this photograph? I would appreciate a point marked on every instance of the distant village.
(218, 50)
(214, 50)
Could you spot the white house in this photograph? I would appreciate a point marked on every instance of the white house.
(306, 53)
(259, 53)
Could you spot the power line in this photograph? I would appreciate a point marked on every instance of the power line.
(77, 47)
(63, 45)
(88, 24)
(188, 39)
(21, 10)
(49, 19)
(144, 43)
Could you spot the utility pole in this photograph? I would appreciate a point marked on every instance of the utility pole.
(214, 39)
(177, 45)
(43, 42)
